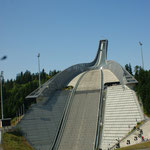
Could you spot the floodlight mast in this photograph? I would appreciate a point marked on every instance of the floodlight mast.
(1, 76)
(39, 69)
(142, 55)
(1, 82)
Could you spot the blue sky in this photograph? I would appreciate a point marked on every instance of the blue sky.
(67, 32)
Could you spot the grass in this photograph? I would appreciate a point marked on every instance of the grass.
(140, 123)
(67, 88)
(15, 120)
(144, 145)
(15, 141)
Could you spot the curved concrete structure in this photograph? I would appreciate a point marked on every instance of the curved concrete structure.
(73, 119)
(63, 78)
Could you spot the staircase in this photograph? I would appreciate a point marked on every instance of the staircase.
(122, 112)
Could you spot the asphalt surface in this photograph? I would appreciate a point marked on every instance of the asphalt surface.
(81, 126)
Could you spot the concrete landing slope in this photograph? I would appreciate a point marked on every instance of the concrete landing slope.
(81, 126)
(41, 123)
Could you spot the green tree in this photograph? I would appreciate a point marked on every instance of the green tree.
(15, 91)
(143, 87)
(129, 68)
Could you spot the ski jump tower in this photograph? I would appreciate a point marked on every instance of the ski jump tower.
(101, 107)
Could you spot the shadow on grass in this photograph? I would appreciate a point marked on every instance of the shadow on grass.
(140, 146)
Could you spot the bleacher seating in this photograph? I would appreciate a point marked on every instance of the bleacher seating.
(122, 112)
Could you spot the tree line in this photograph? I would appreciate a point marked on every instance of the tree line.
(143, 87)
(15, 91)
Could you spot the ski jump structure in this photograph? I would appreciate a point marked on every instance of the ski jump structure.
(100, 107)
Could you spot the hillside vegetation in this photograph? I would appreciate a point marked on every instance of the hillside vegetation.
(15, 91)
(143, 87)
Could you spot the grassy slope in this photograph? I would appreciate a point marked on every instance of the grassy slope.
(12, 141)
(145, 145)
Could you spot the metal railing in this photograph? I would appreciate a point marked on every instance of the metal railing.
(100, 114)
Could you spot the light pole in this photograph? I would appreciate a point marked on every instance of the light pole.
(1, 82)
(1, 79)
(39, 69)
(1, 76)
(142, 55)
